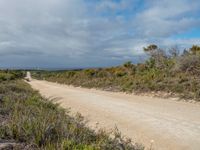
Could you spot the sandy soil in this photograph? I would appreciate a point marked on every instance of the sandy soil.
(172, 125)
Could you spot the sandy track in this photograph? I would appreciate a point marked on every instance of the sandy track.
(171, 124)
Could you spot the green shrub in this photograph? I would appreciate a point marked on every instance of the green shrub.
(6, 75)
(177, 74)
(36, 121)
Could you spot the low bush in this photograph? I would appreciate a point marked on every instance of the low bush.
(31, 119)
(6, 75)
(164, 71)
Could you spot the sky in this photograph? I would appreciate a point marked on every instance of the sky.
(92, 33)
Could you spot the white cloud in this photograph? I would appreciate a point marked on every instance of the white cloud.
(165, 18)
(73, 33)
(111, 5)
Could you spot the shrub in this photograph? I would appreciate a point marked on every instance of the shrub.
(195, 50)
(189, 64)
(6, 75)
(173, 73)
(36, 121)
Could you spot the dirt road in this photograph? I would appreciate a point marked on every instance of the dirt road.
(172, 125)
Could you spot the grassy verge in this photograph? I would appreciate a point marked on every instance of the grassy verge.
(7, 75)
(173, 74)
(28, 118)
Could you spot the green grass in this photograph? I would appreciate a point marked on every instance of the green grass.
(28, 118)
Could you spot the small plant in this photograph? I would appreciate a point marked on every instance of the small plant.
(167, 71)
(32, 120)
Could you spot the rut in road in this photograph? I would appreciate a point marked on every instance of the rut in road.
(172, 125)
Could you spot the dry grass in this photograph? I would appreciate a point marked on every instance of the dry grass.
(28, 118)
(173, 74)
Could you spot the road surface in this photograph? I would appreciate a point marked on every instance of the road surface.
(169, 124)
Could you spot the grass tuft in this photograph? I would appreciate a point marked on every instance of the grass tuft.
(28, 118)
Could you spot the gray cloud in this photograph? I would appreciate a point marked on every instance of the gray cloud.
(80, 33)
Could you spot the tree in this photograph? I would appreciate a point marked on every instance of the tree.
(157, 56)
(174, 52)
(150, 48)
(195, 49)
(128, 64)
(129, 67)
(154, 51)
(188, 63)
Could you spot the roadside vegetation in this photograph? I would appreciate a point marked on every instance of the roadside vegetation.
(8, 75)
(29, 121)
(173, 72)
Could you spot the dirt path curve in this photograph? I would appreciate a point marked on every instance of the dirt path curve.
(171, 124)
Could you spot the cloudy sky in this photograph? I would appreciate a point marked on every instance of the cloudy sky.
(91, 33)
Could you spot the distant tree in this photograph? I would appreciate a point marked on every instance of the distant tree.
(188, 63)
(129, 67)
(185, 52)
(195, 49)
(174, 52)
(128, 64)
(154, 51)
(157, 56)
(150, 48)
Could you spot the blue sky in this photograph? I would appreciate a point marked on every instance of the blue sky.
(92, 33)
(191, 33)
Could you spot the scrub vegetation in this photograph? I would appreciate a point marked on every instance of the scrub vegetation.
(28, 121)
(8, 75)
(173, 72)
